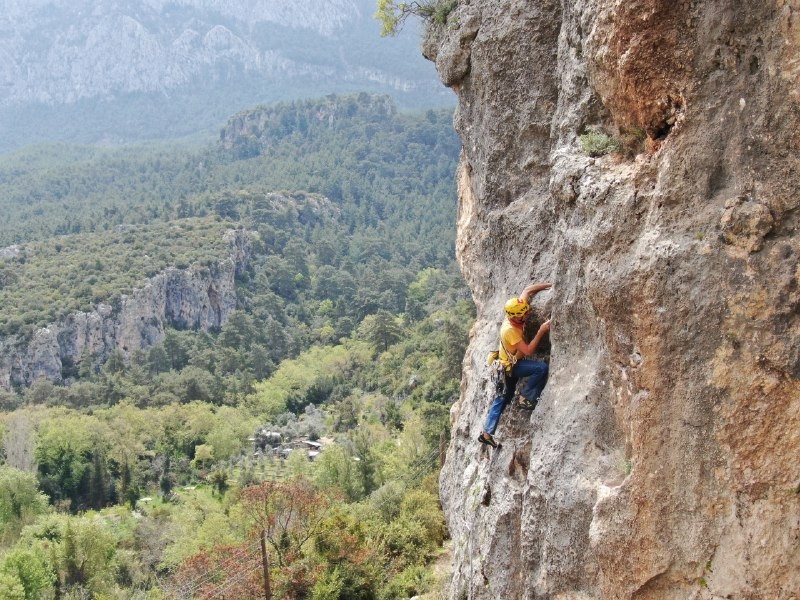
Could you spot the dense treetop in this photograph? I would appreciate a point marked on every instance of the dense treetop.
(351, 324)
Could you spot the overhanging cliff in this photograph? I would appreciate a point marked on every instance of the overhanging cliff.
(662, 461)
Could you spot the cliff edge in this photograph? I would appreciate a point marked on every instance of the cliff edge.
(662, 461)
(199, 297)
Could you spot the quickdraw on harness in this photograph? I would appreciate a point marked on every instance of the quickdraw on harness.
(499, 370)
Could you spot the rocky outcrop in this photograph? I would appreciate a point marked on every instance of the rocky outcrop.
(662, 459)
(194, 298)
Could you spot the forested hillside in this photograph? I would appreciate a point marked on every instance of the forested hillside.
(134, 472)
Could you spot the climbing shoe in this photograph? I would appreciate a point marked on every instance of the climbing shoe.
(486, 438)
(526, 404)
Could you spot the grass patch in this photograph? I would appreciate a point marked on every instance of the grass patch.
(627, 466)
(624, 463)
(596, 142)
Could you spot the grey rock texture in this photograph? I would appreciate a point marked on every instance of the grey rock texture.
(194, 298)
(662, 461)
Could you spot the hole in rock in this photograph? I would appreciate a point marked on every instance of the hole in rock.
(754, 65)
(669, 110)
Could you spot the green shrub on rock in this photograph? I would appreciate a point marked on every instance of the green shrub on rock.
(596, 142)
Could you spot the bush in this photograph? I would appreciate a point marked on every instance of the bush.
(423, 507)
(328, 586)
(406, 542)
(597, 142)
(442, 9)
(392, 14)
(413, 581)
(11, 587)
(29, 569)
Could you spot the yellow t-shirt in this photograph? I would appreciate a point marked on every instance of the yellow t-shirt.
(510, 336)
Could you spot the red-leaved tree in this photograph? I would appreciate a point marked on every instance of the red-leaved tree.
(288, 515)
(230, 571)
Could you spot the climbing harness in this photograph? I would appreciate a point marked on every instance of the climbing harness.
(500, 370)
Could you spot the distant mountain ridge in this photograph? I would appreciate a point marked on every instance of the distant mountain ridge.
(151, 68)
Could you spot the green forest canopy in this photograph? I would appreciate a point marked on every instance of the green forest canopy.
(351, 323)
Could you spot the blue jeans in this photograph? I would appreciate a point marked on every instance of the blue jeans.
(535, 371)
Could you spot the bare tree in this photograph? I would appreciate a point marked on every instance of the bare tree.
(19, 443)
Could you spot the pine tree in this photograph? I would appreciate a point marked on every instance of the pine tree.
(97, 481)
(73, 572)
(381, 330)
(165, 483)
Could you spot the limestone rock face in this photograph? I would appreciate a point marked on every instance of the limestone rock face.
(195, 298)
(662, 461)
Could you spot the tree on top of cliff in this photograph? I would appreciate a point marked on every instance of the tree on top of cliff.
(393, 15)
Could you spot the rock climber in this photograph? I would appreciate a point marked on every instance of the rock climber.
(512, 355)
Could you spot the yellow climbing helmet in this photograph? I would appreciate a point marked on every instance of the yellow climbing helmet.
(517, 308)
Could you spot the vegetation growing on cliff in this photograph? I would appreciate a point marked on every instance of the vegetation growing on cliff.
(631, 141)
(393, 15)
(596, 142)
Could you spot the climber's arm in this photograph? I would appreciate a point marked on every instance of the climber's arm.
(530, 347)
(533, 289)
